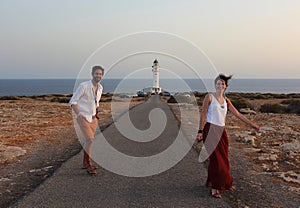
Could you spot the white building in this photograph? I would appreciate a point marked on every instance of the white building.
(155, 69)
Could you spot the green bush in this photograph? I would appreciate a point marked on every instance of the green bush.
(181, 98)
(106, 95)
(290, 101)
(234, 95)
(61, 99)
(241, 103)
(9, 98)
(252, 96)
(108, 99)
(293, 107)
(199, 94)
(272, 108)
(172, 100)
(294, 95)
(259, 96)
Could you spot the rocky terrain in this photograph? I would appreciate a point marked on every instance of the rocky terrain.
(265, 165)
(37, 135)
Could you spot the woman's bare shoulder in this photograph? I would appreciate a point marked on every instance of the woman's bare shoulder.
(208, 96)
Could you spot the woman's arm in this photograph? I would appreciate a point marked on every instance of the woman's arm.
(205, 105)
(235, 112)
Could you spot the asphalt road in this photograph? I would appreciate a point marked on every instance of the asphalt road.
(180, 186)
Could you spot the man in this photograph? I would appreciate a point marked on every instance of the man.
(84, 102)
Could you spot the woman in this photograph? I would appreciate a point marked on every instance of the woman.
(212, 132)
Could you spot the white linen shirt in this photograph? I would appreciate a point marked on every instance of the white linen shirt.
(84, 98)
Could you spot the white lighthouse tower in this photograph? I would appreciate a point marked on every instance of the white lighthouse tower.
(155, 69)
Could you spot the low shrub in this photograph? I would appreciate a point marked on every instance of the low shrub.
(272, 108)
(199, 94)
(293, 107)
(294, 95)
(106, 99)
(241, 103)
(61, 99)
(106, 95)
(290, 101)
(172, 100)
(9, 98)
(180, 99)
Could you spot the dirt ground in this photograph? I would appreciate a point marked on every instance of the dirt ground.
(266, 173)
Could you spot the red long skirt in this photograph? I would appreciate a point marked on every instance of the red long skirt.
(216, 142)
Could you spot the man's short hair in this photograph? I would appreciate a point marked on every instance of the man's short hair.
(97, 68)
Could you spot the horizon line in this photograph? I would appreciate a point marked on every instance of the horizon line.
(52, 78)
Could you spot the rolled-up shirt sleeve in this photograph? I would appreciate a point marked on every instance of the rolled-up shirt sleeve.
(100, 89)
(76, 95)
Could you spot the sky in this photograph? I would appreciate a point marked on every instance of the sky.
(57, 39)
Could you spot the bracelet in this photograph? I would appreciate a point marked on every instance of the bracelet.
(200, 131)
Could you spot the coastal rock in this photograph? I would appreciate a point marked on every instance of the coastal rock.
(240, 135)
(266, 128)
(8, 153)
(247, 111)
(245, 137)
(292, 146)
(251, 150)
(249, 139)
(290, 176)
(276, 151)
(265, 156)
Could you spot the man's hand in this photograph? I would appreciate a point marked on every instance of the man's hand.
(199, 137)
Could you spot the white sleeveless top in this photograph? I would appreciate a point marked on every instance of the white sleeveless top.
(216, 113)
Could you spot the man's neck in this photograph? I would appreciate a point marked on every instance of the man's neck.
(95, 83)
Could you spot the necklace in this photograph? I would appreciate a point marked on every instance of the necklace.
(218, 100)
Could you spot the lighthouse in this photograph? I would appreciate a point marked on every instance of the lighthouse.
(155, 69)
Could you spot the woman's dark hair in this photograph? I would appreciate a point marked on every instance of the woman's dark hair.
(97, 68)
(224, 78)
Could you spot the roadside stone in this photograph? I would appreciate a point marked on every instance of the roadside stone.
(5, 179)
(265, 167)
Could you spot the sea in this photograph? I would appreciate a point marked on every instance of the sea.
(32, 87)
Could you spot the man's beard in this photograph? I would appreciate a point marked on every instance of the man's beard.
(97, 80)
